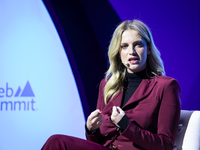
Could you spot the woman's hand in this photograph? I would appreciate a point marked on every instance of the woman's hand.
(117, 114)
(94, 120)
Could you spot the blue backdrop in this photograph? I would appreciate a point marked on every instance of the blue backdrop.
(175, 28)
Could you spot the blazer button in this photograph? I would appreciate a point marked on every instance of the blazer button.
(115, 147)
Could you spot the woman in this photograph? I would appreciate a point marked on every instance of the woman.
(138, 107)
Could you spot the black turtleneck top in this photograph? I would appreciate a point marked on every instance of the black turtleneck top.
(132, 81)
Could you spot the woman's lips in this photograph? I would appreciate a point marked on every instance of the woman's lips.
(133, 60)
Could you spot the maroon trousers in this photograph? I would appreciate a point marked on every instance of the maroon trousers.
(64, 142)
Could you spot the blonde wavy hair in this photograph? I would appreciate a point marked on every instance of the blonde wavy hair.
(116, 70)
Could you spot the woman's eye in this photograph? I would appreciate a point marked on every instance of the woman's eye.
(139, 44)
(124, 46)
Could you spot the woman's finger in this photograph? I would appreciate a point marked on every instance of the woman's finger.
(120, 110)
(115, 111)
(94, 114)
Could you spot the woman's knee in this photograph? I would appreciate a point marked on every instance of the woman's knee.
(54, 142)
(56, 138)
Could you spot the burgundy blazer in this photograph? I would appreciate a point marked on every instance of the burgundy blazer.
(153, 110)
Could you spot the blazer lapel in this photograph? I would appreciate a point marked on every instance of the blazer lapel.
(142, 91)
(115, 101)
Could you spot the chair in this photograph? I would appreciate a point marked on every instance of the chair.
(188, 135)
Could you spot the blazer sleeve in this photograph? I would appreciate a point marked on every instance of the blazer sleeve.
(97, 136)
(167, 125)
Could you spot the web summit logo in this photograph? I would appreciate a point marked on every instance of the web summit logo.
(7, 95)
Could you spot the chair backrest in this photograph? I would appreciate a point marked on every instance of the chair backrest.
(188, 135)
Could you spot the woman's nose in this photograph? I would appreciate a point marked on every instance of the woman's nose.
(132, 50)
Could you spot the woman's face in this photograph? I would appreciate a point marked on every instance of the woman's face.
(133, 51)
